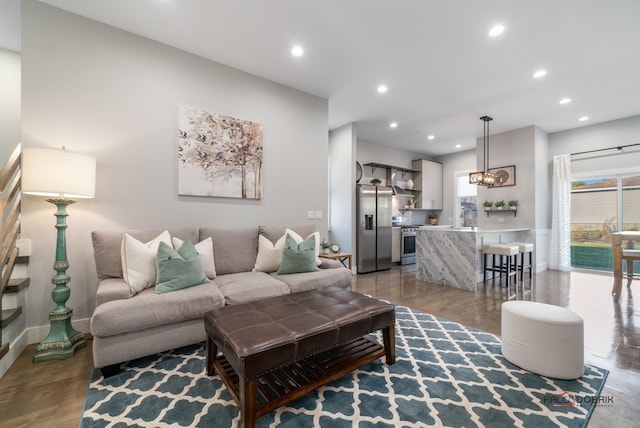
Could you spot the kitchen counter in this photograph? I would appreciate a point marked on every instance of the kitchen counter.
(447, 256)
(453, 257)
(469, 229)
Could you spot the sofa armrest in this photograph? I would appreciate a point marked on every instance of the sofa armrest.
(112, 289)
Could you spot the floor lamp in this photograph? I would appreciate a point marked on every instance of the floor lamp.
(61, 176)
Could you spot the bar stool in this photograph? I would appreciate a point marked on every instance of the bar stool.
(525, 247)
(507, 264)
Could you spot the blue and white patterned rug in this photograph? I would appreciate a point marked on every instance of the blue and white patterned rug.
(445, 374)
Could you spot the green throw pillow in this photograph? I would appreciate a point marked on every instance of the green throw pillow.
(298, 257)
(178, 269)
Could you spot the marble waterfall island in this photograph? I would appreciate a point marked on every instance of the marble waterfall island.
(447, 256)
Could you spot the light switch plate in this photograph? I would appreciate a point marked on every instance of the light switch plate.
(318, 214)
(311, 215)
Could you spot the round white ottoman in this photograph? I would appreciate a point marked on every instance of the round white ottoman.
(543, 339)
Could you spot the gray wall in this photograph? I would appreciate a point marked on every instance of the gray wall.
(599, 136)
(9, 103)
(114, 95)
(517, 148)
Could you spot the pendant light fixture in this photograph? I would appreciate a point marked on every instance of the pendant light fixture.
(484, 177)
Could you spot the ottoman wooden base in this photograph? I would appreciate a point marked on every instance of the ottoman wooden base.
(260, 396)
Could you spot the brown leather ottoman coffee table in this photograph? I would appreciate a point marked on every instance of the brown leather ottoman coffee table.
(279, 349)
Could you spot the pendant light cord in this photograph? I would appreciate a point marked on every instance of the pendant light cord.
(485, 143)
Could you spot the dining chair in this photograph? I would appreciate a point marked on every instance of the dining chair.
(629, 254)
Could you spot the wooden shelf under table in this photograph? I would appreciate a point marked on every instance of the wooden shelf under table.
(341, 257)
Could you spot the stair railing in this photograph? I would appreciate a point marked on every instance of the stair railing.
(10, 199)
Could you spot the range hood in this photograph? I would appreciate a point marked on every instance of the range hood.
(399, 191)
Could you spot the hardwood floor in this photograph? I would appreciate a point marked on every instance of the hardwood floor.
(51, 393)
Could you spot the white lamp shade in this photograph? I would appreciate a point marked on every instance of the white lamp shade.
(58, 173)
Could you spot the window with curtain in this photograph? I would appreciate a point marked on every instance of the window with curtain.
(466, 201)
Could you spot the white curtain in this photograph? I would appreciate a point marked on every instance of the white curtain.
(560, 257)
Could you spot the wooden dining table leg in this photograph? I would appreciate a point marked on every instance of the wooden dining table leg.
(616, 247)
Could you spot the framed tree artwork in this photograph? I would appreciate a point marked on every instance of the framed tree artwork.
(218, 156)
(506, 175)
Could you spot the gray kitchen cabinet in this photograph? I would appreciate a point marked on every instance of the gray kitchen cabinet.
(428, 183)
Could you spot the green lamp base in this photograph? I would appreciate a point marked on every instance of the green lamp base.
(63, 341)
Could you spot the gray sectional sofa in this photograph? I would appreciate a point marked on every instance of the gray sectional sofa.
(126, 326)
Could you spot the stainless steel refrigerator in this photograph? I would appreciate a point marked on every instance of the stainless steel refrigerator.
(373, 211)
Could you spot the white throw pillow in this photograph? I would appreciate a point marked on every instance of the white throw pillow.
(269, 254)
(138, 260)
(299, 239)
(205, 252)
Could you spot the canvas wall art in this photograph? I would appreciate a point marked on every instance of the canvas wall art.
(218, 156)
(506, 175)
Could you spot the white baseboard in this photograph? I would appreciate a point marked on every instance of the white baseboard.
(30, 336)
(15, 349)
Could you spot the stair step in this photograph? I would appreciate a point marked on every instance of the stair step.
(22, 260)
(17, 284)
(10, 315)
(3, 350)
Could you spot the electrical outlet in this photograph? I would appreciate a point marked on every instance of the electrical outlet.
(311, 215)
(318, 215)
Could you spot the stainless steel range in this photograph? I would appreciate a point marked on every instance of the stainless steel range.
(408, 244)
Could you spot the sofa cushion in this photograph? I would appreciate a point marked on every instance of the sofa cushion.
(339, 277)
(112, 289)
(138, 260)
(273, 233)
(249, 286)
(269, 255)
(205, 252)
(107, 243)
(178, 269)
(316, 246)
(235, 250)
(298, 257)
(148, 309)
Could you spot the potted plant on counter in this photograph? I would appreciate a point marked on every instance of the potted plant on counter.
(487, 205)
(513, 204)
(499, 204)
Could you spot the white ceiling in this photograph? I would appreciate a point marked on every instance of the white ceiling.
(442, 69)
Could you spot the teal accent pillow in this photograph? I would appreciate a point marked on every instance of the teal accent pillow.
(178, 269)
(298, 258)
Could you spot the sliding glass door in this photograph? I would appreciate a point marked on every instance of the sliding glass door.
(599, 206)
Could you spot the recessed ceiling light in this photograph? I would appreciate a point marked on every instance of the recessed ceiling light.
(382, 89)
(540, 73)
(393, 125)
(496, 30)
(584, 118)
(458, 146)
(565, 101)
(431, 137)
(297, 50)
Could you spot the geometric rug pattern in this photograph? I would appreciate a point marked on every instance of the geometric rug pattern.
(445, 374)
